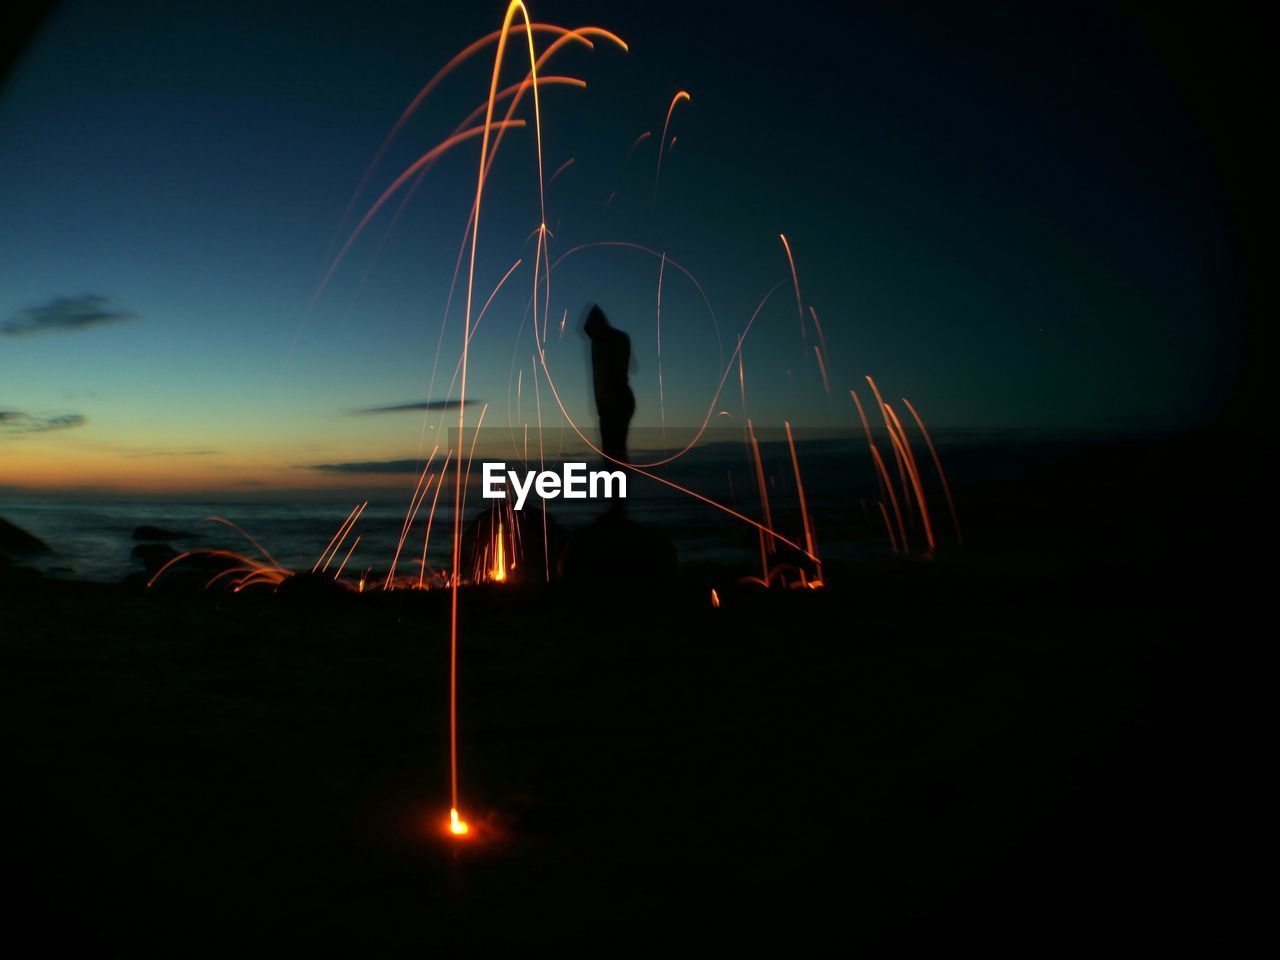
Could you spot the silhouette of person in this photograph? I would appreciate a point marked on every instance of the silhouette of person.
(610, 363)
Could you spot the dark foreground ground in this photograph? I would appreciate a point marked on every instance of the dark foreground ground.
(1040, 746)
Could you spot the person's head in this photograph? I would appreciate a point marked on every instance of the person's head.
(596, 320)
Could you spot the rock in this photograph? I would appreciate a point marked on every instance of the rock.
(153, 555)
(15, 540)
(310, 587)
(617, 547)
(146, 532)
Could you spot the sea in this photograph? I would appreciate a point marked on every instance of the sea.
(92, 537)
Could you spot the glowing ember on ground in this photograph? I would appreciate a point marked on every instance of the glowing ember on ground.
(457, 826)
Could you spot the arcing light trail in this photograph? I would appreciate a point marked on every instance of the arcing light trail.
(498, 556)
(512, 8)
(657, 175)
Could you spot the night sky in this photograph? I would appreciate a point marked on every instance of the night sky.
(1009, 218)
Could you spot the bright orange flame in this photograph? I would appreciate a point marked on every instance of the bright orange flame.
(500, 560)
(715, 598)
(457, 826)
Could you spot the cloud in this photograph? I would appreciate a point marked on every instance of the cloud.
(15, 423)
(368, 466)
(420, 405)
(64, 313)
(133, 455)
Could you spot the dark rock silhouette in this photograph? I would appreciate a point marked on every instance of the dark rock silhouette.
(16, 541)
(153, 555)
(311, 586)
(615, 547)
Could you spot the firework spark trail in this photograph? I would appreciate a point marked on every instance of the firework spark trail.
(447, 144)
(639, 469)
(662, 406)
(238, 529)
(682, 95)
(824, 358)
(822, 369)
(804, 508)
(466, 480)
(937, 463)
(419, 494)
(514, 7)
(537, 398)
(475, 114)
(246, 565)
(710, 408)
(342, 539)
(627, 244)
(893, 497)
(339, 533)
(465, 54)
(342, 566)
(530, 80)
(821, 337)
(672, 484)
(426, 539)
(500, 562)
(866, 427)
(560, 169)
(639, 140)
(902, 470)
(766, 545)
(710, 311)
(899, 438)
(795, 281)
(517, 93)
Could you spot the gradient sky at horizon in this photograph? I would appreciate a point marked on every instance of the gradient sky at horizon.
(1004, 215)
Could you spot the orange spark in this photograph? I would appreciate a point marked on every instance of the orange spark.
(795, 282)
(559, 170)
(426, 158)
(342, 566)
(897, 457)
(822, 368)
(336, 543)
(715, 598)
(512, 8)
(899, 439)
(893, 497)
(804, 509)
(946, 489)
(639, 140)
(500, 559)
(432, 515)
(682, 95)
